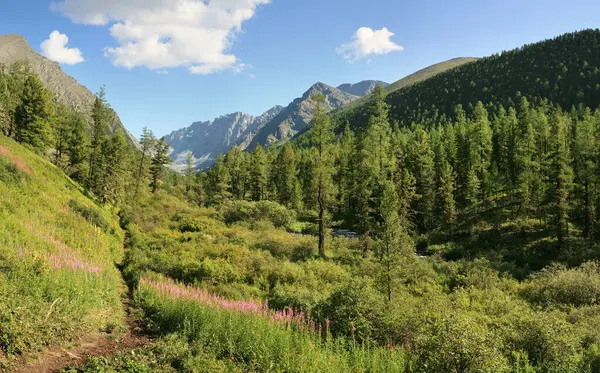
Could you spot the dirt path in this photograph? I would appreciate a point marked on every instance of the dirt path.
(101, 344)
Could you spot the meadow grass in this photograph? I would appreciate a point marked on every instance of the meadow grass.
(254, 337)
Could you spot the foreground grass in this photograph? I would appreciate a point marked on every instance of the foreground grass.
(256, 339)
(57, 255)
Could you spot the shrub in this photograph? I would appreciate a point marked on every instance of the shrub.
(459, 343)
(557, 285)
(191, 225)
(248, 212)
(303, 251)
(92, 215)
(218, 271)
(353, 310)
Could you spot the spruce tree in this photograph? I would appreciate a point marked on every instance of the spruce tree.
(77, 148)
(32, 114)
(100, 119)
(219, 182)
(259, 174)
(446, 198)
(423, 169)
(322, 136)
(115, 159)
(344, 172)
(147, 143)
(288, 188)
(394, 244)
(159, 160)
(585, 153)
(235, 164)
(561, 176)
(61, 126)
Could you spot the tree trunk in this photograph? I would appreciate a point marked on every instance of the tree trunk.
(321, 224)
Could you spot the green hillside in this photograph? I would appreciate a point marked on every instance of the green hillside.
(413, 78)
(58, 248)
(564, 71)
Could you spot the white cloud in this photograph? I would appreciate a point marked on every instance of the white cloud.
(252, 76)
(55, 49)
(368, 42)
(161, 34)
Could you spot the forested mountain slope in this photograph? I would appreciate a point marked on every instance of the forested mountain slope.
(409, 80)
(564, 71)
(66, 90)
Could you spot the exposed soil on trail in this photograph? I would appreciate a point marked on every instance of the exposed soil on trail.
(101, 344)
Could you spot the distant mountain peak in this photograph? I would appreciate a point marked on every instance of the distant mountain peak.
(361, 88)
(206, 139)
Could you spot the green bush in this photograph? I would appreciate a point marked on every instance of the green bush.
(353, 310)
(91, 214)
(249, 212)
(557, 285)
(303, 252)
(9, 172)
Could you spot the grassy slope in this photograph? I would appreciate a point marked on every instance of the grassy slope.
(57, 255)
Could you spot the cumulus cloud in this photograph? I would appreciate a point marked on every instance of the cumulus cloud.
(55, 48)
(366, 42)
(161, 34)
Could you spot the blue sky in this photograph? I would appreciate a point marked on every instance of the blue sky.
(281, 48)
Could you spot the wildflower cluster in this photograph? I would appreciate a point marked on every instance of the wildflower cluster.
(22, 166)
(287, 318)
(65, 257)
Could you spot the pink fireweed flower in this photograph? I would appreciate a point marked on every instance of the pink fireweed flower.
(65, 257)
(22, 166)
(285, 318)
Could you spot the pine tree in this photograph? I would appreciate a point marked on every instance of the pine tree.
(423, 169)
(147, 143)
(585, 152)
(288, 188)
(235, 164)
(77, 148)
(100, 121)
(526, 165)
(32, 114)
(561, 176)
(446, 198)
(115, 154)
(394, 244)
(480, 148)
(321, 135)
(473, 191)
(363, 197)
(159, 160)
(407, 193)
(259, 174)
(61, 126)
(14, 84)
(219, 182)
(343, 176)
